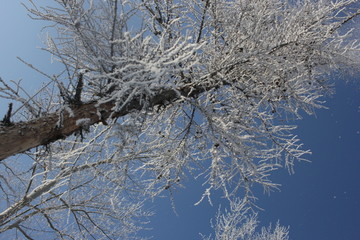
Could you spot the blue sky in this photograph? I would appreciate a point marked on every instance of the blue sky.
(320, 201)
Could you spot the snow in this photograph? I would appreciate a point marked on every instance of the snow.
(83, 122)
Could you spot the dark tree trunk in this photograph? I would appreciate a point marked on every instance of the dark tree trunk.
(23, 136)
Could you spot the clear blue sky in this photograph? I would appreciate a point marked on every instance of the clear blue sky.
(320, 201)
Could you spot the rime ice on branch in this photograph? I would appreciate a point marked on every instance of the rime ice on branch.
(167, 89)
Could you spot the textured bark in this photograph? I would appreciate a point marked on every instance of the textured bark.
(23, 136)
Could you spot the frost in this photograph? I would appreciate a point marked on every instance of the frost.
(199, 88)
(83, 122)
(240, 222)
(69, 110)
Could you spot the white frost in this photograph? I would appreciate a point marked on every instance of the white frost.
(83, 122)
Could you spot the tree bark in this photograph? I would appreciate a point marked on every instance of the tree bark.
(24, 136)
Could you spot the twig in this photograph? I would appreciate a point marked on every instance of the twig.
(6, 120)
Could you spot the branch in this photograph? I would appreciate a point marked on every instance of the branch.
(6, 120)
(24, 136)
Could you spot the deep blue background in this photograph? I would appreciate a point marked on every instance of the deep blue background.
(320, 201)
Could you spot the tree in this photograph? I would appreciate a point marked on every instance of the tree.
(240, 223)
(155, 91)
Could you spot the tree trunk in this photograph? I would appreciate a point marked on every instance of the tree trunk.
(23, 136)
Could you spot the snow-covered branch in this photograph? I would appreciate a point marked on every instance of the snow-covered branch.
(155, 91)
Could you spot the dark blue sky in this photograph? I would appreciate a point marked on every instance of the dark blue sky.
(320, 201)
